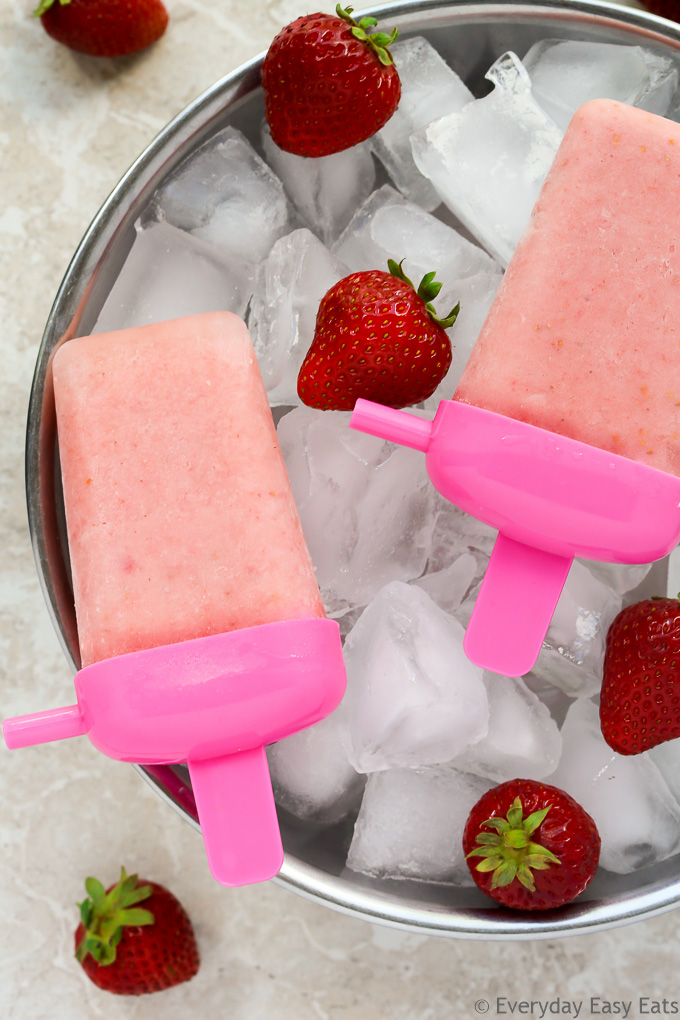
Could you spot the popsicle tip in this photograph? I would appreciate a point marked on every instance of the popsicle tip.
(391, 423)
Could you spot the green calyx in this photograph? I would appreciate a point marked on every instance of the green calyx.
(508, 852)
(427, 290)
(379, 42)
(45, 5)
(104, 916)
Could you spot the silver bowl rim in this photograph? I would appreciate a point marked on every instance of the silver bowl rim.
(306, 880)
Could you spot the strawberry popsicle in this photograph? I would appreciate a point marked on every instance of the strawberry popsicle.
(564, 431)
(583, 337)
(201, 628)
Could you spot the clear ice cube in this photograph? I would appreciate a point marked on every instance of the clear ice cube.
(636, 815)
(411, 823)
(226, 194)
(565, 73)
(290, 283)
(448, 587)
(523, 739)
(621, 577)
(488, 162)
(366, 506)
(169, 274)
(311, 775)
(413, 697)
(325, 190)
(429, 89)
(572, 655)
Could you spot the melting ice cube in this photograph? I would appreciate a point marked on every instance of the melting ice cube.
(326, 190)
(224, 193)
(636, 815)
(413, 697)
(429, 89)
(488, 161)
(411, 824)
(290, 284)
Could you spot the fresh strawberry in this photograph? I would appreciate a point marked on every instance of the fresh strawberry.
(640, 700)
(539, 849)
(129, 950)
(328, 83)
(104, 28)
(376, 337)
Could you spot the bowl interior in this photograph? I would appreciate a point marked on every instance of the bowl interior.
(470, 37)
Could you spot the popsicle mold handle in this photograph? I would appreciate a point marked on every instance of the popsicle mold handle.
(514, 607)
(237, 814)
(388, 423)
(43, 727)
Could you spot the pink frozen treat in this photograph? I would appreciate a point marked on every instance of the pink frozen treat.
(583, 337)
(180, 516)
(564, 431)
(202, 632)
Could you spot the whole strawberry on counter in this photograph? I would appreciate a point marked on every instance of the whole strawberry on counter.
(640, 698)
(530, 846)
(376, 337)
(329, 83)
(131, 950)
(104, 28)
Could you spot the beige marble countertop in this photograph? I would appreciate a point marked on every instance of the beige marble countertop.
(69, 127)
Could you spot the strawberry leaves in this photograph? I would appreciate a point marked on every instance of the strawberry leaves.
(104, 916)
(379, 42)
(508, 852)
(428, 290)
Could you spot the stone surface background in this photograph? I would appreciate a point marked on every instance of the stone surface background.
(69, 127)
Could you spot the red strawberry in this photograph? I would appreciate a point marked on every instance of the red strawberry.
(376, 337)
(329, 84)
(640, 700)
(539, 849)
(104, 28)
(128, 950)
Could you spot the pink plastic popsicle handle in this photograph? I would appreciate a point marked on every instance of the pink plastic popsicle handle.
(514, 607)
(237, 813)
(389, 423)
(42, 727)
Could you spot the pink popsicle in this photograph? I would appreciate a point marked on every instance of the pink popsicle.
(583, 337)
(201, 627)
(180, 516)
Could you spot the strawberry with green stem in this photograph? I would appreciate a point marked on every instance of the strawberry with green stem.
(329, 83)
(104, 28)
(377, 337)
(131, 950)
(530, 846)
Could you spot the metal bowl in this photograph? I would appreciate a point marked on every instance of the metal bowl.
(470, 36)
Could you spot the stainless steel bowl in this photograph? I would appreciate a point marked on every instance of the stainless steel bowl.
(470, 36)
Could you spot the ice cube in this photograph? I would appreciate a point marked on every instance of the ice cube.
(666, 757)
(456, 532)
(366, 506)
(572, 655)
(411, 823)
(488, 162)
(448, 587)
(413, 697)
(325, 190)
(388, 226)
(565, 73)
(429, 89)
(523, 739)
(169, 274)
(311, 775)
(621, 577)
(636, 815)
(224, 193)
(290, 283)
